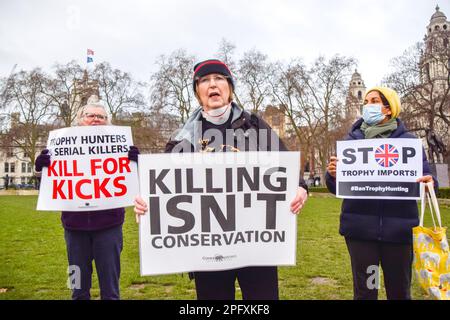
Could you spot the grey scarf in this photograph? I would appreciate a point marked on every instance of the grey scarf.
(379, 130)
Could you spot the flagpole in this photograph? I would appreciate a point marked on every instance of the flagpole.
(89, 57)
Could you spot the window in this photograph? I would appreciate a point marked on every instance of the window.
(427, 71)
(29, 167)
(22, 180)
(307, 166)
(359, 95)
(6, 167)
(12, 167)
(445, 27)
(24, 167)
(10, 152)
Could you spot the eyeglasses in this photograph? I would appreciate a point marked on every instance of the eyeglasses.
(91, 116)
(219, 79)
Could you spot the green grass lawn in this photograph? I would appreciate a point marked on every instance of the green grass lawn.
(34, 262)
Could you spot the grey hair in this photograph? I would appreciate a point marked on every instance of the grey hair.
(93, 101)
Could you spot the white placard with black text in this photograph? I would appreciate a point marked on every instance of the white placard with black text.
(379, 168)
(217, 211)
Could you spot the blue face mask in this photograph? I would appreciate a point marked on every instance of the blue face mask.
(372, 114)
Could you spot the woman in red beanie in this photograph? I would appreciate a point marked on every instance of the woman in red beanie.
(213, 85)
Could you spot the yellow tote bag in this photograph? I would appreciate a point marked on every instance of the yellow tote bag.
(431, 251)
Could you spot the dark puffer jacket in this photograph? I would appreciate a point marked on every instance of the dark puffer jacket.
(374, 219)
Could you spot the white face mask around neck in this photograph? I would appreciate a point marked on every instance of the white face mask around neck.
(217, 116)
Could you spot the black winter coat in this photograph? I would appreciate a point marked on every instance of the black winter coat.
(374, 219)
(241, 122)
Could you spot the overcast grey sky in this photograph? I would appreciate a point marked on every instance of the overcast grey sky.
(131, 34)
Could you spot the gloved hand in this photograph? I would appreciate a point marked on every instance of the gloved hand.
(133, 153)
(43, 160)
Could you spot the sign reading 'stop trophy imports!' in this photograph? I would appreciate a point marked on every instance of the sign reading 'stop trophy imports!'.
(379, 168)
(89, 169)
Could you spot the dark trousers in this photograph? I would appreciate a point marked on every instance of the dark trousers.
(395, 259)
(102, 246)
(257, 283)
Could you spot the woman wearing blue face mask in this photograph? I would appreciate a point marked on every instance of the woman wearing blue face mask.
(379, 231)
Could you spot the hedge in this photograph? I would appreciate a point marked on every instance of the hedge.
(318, 189)
(443, 193)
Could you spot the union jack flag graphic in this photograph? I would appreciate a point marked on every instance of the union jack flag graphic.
(386, 155)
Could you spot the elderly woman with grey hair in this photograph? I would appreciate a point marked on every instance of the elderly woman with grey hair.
(93, 113)
(94, 235)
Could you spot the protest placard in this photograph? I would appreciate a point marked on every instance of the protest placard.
(89, 169)
(379, 168)
(217, 211)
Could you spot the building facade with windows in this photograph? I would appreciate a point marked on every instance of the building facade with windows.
(355, 97)
(15, 169)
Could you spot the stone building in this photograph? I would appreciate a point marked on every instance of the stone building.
(82, 90)
(435, 81)
(355, 97)
(435, 62)
(422, 102)
(276, 119)
(15, 168)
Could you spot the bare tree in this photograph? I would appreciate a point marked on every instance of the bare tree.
(121, 94)
(3, 99)
(312, 99)
(253, 76)
(3, 117)
(29, 110)
(326, 84)
(226, 54)
(171, 87)
(152, 134)
(287, 91)
(65, 93)
(422, 78)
